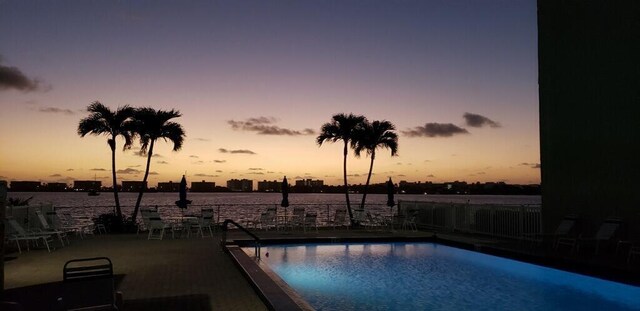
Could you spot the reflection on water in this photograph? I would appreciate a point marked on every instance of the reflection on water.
(244, 206)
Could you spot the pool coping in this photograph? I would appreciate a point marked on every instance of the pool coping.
(272, 289)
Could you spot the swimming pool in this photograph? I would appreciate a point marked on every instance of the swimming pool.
(429, 276)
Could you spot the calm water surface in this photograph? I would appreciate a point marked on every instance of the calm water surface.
(242, 206)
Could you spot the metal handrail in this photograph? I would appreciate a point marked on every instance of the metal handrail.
(225, 228)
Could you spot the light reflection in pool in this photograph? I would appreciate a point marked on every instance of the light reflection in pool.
(427, 276)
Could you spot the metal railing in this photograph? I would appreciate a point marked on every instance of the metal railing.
(504, 221)
(225, 228)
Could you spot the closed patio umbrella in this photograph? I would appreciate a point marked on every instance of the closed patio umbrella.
(183, 202)
(285, 196)
(391, 189)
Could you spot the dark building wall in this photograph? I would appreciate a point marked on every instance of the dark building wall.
(589, 87)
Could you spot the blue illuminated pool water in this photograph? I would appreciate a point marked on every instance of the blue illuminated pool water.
(428, 276)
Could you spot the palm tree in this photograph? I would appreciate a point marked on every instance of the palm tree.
(371, 136)
(103, 121)
(342, 127)
(150, 125)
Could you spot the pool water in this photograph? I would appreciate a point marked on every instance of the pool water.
(428, 276)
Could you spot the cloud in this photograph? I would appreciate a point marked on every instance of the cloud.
(56, 110)
(431, 175)
(256, 169)
(532, 165)
(435, 130)
(265, 126)
(220, 161)
(98, 169)
(270, 172)
(14, 78)
(69, 170)
(237, 151)
(201, 139)
(402, 175)
(218, 171)
(55, 175)
(162, 162)
(153, 173)
(198, 162)
(205, 175)
(129, 171)
(139, 165)
(194, 156)
(476, 120)
(256, 173)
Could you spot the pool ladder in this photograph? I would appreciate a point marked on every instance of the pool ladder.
(225, 228)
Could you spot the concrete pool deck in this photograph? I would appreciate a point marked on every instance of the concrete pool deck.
(197, 274)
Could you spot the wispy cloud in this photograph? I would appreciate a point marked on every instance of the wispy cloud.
(14, 78)
(255, 173)
(435, 130)
(69, 170)
(431, 176)
(220, 161)
(162, 162)
(266, 126)
(256, 169)
(476, 120)
(129, 171)
(98, 169)
(153, 173)
(198, 162)
(55, 175)
(218, 171)
(194, 156)
(205, 175)
(532, 165)
(201, 139)
(56, 110)
(237, 151)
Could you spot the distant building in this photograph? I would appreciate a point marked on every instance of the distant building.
(203, 186)
(86, 185)
(309, 185)
(168, 186)
(54, 186)
(243, 185)
(269, 186)
(133, 186)
(25, 186)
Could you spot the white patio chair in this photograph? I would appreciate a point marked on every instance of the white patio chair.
(157, 227)
(48, 229)
(339, 218)
(20, 234)
(297, 218)
(310, 220)
(204, 222)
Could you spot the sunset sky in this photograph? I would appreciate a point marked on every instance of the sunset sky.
(255, 81)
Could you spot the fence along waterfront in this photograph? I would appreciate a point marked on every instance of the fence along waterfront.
(497, 220)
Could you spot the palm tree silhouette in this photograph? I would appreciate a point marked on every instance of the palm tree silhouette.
(342, 127)
(371, 136)
(103, 121)
(150, 125)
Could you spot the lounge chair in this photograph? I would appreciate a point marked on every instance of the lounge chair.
(48, 229)
(608, 230)
(66, 223)
(266, 220)
(310, 220)
(297, 218)
(339, 218)
(88, 284)
(410, 222)
(157, 227)
(565, 232)
(19, 234)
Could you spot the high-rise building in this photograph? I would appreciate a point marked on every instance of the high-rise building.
(26, 185)
(269, 186)
(203, 186)
(309, 185)
(244, 185)
(168, 186)
(86, 185)
(133, 186)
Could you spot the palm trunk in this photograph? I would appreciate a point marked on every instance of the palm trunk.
(366, 186)
(346, 185)
(118, 211)
(144, 183)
